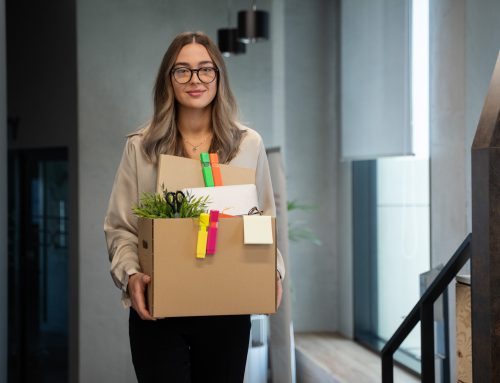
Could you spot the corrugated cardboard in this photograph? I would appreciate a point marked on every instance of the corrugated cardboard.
(464, 333)
(238, 279)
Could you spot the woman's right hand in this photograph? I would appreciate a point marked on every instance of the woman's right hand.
(136, 289)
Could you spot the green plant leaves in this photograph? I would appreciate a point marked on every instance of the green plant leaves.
(296, 229)
(154, 205)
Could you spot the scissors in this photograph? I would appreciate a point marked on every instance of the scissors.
(175, 200)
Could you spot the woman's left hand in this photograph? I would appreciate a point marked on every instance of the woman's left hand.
(279, 290)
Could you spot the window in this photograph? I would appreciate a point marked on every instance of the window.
(391, 217)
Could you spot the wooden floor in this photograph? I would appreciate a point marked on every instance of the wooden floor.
(331, 358)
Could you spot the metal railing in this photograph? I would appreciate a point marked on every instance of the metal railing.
(423, 311)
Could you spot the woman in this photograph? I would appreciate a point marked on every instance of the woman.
(194, 111)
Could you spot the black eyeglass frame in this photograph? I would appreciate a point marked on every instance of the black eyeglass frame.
(216, 70)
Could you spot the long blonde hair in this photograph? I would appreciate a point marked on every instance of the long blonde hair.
(162, 136)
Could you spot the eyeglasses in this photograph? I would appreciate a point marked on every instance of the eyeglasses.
(183, 75)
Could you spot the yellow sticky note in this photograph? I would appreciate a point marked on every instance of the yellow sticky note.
(257, 230)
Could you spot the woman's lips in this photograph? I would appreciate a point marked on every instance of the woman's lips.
(195, 93)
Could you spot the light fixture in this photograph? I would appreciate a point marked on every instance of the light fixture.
(253, 25)
(228, 42)
(227, 38)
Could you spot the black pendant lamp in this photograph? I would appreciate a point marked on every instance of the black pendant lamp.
(253, 25)
(228, 42)
(227, 38)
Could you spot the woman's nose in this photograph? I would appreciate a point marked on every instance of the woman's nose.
(194, 78)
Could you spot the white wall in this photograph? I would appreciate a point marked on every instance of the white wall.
(3, 198)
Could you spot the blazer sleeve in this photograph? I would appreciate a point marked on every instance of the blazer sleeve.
(266, 195)
(120, 225)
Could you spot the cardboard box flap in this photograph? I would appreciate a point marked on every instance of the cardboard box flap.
(188, 174)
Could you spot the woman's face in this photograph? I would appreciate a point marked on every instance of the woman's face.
(194, 94)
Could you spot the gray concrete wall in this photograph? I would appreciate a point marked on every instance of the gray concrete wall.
(278, 33)
(345, 305)
(311, 144)
(447, 128)
(341, 188)
(447, 138)
(3, 198)
(482, 45)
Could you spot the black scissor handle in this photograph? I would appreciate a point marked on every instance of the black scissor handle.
(179, 197)
(175, 199)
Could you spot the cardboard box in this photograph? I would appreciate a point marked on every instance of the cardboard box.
(464, 333)
(237, 279)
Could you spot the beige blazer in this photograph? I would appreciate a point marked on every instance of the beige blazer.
(135, 175)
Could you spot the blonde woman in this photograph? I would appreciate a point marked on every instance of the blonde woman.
(194, 111)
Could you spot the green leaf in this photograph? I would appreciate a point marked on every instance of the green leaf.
(297, 234)
(154, 205)
(296, 229)
(294, 205)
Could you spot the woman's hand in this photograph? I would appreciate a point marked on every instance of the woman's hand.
(279, 290)
(136, 289)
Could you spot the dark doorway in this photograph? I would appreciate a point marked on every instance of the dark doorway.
(38, 261)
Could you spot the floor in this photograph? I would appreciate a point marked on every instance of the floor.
(331, 358)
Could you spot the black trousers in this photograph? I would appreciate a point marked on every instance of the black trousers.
(189, 349)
